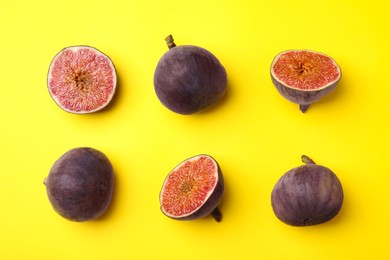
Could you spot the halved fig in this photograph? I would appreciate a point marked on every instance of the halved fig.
(304, 76)
(193, 189)
(307, 195)
(81, 79)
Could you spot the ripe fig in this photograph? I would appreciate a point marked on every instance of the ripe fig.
(81, 79)
(80, 184)
(304, 76)
(193, 189)
(307, 195)
(188, 78)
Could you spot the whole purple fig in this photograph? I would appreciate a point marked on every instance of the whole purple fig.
(80, 184)
(189, 78)
(307, 195)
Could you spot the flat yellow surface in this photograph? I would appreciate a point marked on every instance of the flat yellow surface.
(254, 133)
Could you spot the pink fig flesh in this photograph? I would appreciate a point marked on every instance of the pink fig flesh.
(81, 79)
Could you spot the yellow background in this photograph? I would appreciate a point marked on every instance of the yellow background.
(254, 133)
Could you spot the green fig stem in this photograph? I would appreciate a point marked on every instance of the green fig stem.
(170, 41)
(216, 214)
(307, 160)
(303, 108)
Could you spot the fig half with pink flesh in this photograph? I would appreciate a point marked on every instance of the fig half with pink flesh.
(81, 79)
(304, 76)
(193, 189)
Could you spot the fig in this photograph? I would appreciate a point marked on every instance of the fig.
(189, 78)
(193, 189)
(80, 184)
(81, 79)
(304, 76)
(307, 195)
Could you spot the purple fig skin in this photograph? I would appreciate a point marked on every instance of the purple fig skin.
(80, 184)
(210, 206)
(189, 79)
(303, 97)
(307, 195)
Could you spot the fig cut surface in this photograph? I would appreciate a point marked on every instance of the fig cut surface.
(193, 189)
(81, 79)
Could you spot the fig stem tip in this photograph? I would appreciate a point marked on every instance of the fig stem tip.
(217, 214)
(306, 159)
(170, 41)
(303, 108)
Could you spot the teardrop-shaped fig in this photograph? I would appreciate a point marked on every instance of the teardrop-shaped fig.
(81, 79)
(189, 78)
(307, 195)
(193, 189)
(80, 184)
(304, 76)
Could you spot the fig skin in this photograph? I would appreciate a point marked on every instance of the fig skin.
(189, 79)
(210, 206)
(80, 184)
(307, 195)
(303, 97)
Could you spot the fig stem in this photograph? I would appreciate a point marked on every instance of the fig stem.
(170, 41)
(307, 160)
(303, 108)
(217, 214)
